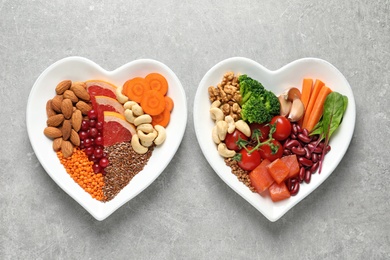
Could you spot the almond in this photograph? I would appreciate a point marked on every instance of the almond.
(56, 103)
(52, 132)
(66, 129)
(74, 138)
(83, 107)
(67, 108)
(55, 120)
(76, 120)
(70, 94)
(66, 149)
(57, 144)
(62, 86)
(49, 109)
(79, 89)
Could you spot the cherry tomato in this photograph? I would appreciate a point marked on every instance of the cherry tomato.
(263, 128)
(283, 128)
(231, 140)
(249, 161)
(271, 151)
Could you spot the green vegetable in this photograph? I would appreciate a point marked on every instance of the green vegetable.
(258, 105)
(334, 108)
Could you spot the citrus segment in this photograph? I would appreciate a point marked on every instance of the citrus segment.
(101, 88)
(116, 129)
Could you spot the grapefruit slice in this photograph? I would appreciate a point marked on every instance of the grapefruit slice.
(104, 103)
(116, 129)
(97, 87)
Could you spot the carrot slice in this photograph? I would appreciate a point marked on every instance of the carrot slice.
(307, 87)
(135, 88)
(318, 108)
(278, 192)
(313, 97)
(157, 82)
(153, 102)
(278, 170)
(168, 103)
(162, 118)
(260, 177)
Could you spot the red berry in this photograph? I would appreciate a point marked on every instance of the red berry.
(99, 126)
(89, 151)
(99, 140)
(92, 114)
(96, 168)
(93, 132)
(103, 162)
(92, 123)
(98, 153)
(88, 142)
(84, 125)
(83, 135)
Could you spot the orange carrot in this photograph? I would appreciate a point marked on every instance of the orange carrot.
(135, 88)
(162, 118)
(307, 86)
(168, 103)
(313, 97)
(318, 108)
(158, 82)
(153, 102)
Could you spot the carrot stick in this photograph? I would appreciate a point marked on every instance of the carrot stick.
(313, 97)
(153, 102)
(135, 88)
(158, 82)
(318, 108)
(307, 87)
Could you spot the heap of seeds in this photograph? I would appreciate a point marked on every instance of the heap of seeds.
(125, 163)
(242, 175)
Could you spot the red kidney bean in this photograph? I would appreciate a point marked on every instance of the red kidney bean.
(311, 146)
(294, 129)
(327, 149)
(294, 189)
(314, 167)
(305, 132)
(290, 144)
(307, 176)
(321, 145)
(293, 136)
(301, 174)
(287, 152)
(317, 150)
(298, 151)
(305, 162)
(307, 152)
(304, 138)
(299, 128)
(314, 157)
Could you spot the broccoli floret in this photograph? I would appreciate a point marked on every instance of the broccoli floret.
(258, 104)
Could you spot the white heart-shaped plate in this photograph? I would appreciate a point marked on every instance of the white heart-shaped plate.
(291, 75)
(82, 69)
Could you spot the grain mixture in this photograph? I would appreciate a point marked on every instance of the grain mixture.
(125, 163)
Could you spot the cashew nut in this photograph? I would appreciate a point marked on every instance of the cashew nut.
(129, 116)
(129, 104)
(146, 137)
(216, 104)
(231, 125)
(137, 110)
(215, 135)
(119, 96)
(146, 128)
(222, 128)
(138, 148)
(144, 119)
(161, 134)
(146, 144)
(216, 114)
(224, 151)
(243, 127)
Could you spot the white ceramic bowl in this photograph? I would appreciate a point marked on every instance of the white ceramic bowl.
(81, 69)
(277, 81)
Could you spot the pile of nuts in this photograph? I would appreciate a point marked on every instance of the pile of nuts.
(65, 115)
(147, 134)
(228, 94)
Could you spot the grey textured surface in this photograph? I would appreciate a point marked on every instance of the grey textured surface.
(188, 212)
